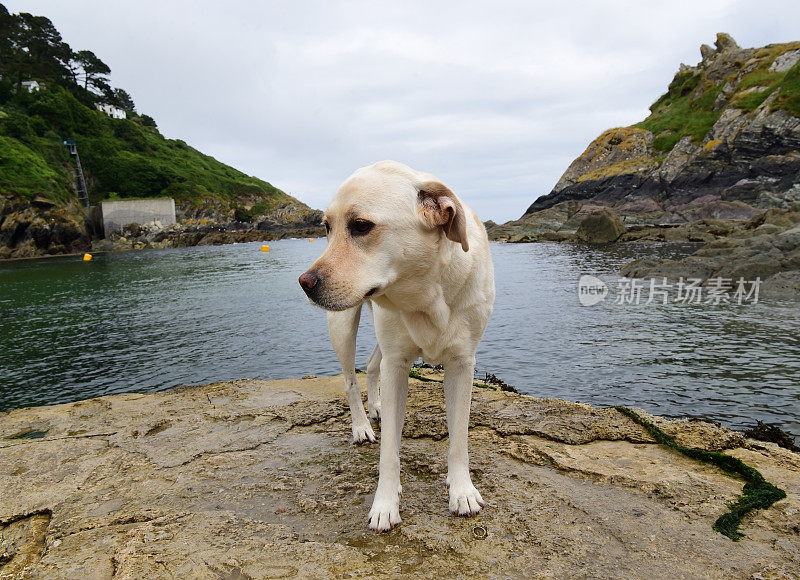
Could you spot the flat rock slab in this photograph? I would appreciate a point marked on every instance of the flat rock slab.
(258, 479)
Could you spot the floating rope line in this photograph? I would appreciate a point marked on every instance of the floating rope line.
(757, 493)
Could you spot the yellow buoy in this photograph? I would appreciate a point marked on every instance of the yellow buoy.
(310, 239)
(87, 257)
(265, 248)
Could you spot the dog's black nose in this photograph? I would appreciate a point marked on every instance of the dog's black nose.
(309, 280)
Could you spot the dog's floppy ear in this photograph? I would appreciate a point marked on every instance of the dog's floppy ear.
(439, 207)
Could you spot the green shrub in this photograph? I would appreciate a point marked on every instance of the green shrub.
(16, 125)
(666, 141)
(147, 121)
(789, 97)
(131, 133)
(54, 108)
(39, 125)
(27, 174)
(676, 114)
(132, 175)
(752, 101)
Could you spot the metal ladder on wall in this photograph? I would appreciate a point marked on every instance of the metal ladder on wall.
(73, 150)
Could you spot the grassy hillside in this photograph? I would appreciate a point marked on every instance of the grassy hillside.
(125, 158)
(696, 97)
(121, 158)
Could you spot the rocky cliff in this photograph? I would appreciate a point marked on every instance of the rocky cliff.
(723, 143)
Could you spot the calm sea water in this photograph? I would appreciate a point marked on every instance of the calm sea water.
(153, 319)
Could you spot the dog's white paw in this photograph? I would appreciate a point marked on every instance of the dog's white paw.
(465, 500)
(385, 513)
(363, 433)
(375, 411)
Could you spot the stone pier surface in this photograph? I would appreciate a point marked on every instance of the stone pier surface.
(258, 479)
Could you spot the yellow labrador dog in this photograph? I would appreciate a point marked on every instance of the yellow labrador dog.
(403, 241)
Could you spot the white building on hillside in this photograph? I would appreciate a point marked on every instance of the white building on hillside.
(31, 86)
(111, 111)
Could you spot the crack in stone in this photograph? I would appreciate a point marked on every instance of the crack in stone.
(126, 521)
(87, 436)
(19, 517)
(215, 452)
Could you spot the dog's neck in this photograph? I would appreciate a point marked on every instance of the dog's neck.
(427, 302)
(438, 279)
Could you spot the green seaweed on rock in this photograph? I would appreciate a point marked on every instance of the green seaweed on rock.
(757, 493)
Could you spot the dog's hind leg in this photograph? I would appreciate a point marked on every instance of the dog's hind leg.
(373, 375)
(343, 327)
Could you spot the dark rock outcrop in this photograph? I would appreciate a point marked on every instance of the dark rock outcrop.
(41, 228)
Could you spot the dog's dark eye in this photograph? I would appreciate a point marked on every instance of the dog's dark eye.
(360, 227)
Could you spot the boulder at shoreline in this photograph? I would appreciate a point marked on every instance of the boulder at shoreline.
(258, 479)
(601, 227)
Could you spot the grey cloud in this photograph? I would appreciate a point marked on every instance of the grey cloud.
(495, 98)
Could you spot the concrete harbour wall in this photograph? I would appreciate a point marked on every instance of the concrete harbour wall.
(145, 212)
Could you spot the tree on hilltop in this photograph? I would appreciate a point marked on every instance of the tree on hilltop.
(95, 71)
(7, 26)
(31, 48)
(40, 51)
(120, 99)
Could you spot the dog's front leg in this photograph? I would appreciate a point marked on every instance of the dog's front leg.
(385, 512)
(464, 498)
(343, 328)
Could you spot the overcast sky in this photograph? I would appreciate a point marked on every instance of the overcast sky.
(495, 98)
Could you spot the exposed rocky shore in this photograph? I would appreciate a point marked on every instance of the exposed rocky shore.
(766, 248)
(42, 227)
(257, 479)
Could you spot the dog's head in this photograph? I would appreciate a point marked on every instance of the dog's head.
(385, 223)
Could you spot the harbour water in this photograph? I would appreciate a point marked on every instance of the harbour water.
(153, 319)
